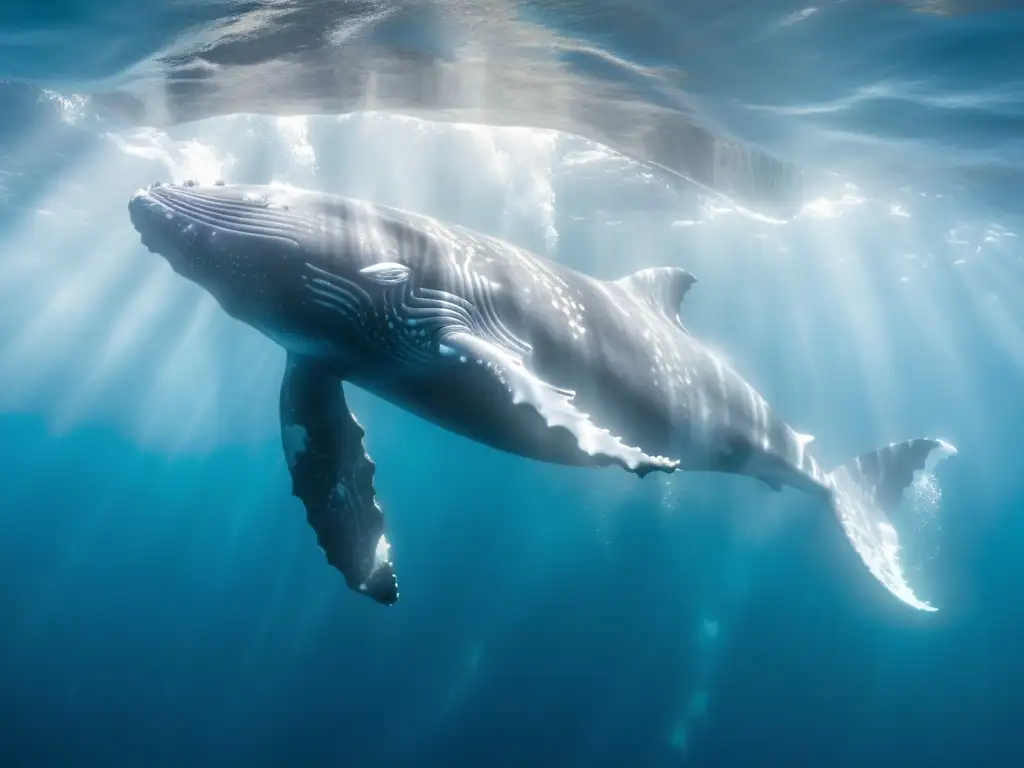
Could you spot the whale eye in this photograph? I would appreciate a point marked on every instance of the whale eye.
(386, 273)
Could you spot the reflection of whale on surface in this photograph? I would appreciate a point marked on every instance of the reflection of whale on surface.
(491, 342)
(475, 61)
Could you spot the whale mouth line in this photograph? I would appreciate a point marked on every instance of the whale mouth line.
(221, 213)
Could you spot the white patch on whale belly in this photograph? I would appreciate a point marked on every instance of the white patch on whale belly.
(296, 441)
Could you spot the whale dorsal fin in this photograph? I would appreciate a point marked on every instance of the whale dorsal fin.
(661, 288)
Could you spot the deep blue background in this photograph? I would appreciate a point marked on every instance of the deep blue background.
(170, 607)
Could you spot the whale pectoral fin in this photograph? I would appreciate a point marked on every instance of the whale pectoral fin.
(333, 476)
(554, 405)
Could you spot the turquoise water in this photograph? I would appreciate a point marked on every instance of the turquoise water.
(855, 236)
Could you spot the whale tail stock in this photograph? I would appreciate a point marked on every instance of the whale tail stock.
(870, 486)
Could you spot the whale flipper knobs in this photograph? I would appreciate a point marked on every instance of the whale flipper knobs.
(333, 476)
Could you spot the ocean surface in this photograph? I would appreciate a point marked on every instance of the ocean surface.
(844, 179)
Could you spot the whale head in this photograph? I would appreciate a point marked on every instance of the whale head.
(302, 267)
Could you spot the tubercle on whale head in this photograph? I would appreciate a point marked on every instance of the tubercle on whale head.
(223, 238)
(188, 183)
(189, 221)
(288, 262)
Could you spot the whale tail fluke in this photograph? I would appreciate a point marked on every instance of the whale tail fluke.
(869, 487)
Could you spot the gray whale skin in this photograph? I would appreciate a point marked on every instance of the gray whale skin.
(494, 343)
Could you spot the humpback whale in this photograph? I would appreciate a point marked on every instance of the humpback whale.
(496, 344)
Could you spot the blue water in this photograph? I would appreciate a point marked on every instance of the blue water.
(844, 180)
